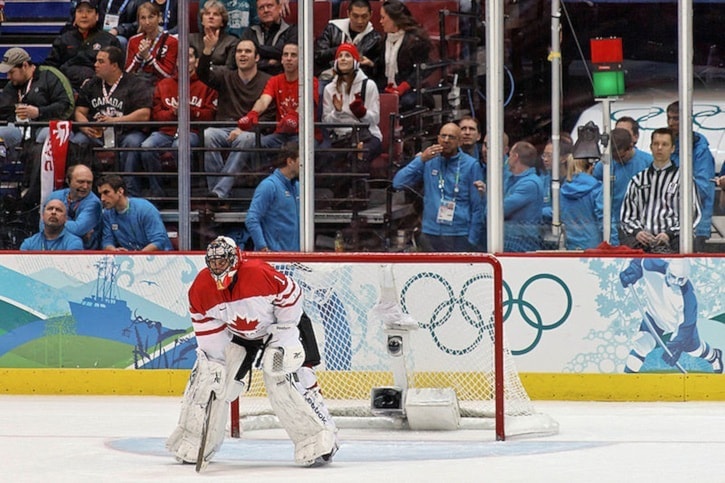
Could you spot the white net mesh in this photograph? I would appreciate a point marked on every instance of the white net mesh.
(452, 346)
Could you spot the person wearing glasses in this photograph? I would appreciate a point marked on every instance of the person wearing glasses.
(453, 210)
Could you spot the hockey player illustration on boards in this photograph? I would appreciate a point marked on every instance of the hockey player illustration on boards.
(669, 314)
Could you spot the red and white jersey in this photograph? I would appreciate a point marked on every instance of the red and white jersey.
(259, 298)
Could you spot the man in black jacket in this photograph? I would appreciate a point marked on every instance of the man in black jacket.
(74, 51)
(40, 93)
(356, 29)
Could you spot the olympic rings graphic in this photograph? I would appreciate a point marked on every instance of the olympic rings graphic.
(442, 313)
(525, 307)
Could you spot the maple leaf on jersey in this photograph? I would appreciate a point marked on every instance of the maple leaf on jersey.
(243, 325)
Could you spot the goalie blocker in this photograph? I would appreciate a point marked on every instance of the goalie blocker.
(226, 354)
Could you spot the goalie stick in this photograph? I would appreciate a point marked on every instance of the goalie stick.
(202, 462)
(244, 368)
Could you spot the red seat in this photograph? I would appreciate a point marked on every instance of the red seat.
(194, 17)
(321, 13)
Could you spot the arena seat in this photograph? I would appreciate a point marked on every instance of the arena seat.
(321, 13)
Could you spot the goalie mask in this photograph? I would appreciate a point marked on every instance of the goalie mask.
(223, 259)
(678, 272)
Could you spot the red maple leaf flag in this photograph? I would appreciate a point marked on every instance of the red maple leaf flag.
(243, 325)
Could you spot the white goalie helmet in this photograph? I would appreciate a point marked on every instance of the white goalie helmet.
(223, 258)
(678, 272)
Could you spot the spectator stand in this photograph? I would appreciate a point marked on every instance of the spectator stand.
(33, 26)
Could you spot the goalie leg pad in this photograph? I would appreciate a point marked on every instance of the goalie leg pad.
(303, 414)
(205, 377)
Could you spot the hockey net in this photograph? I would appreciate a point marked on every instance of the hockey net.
(446, 309)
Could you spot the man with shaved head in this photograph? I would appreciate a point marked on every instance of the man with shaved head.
(452, 208)
(53, 235)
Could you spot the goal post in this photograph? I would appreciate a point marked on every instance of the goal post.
(406, 339)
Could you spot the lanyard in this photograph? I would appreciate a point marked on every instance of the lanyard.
(166, 15)
(442, 181)
(107, 94)
(110, 3)
(21, 96)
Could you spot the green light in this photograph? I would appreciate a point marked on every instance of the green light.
(608, 83)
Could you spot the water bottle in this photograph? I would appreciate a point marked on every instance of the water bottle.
(339, 242)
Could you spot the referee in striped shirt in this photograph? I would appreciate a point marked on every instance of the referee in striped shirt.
(650, 216)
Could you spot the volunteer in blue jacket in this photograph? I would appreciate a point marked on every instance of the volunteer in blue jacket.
(581, 205)
(129, 224)
(53, 235)
(273, 218)
(523, 200)
(452, 207)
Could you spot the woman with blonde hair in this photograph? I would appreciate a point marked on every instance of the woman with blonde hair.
(152, 52)
(581, 205)
(214, 22)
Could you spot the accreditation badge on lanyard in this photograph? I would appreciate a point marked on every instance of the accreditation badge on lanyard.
(110, 21)
(445, 212)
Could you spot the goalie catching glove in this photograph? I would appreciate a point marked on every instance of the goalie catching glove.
(284, 353)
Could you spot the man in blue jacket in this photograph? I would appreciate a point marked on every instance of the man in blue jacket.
(452, 206)
(703, 170)
(273, 218)
(53, 235)
(82, 205)
(523, 200)
(129, 224)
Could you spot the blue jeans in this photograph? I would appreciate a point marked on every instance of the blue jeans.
(236, 162)
(13, 136)
(151, 159)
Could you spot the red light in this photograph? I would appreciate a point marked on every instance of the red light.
(606, 51)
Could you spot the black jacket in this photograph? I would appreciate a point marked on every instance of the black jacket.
(336, 33)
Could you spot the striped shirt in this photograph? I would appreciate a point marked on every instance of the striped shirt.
(652, 202)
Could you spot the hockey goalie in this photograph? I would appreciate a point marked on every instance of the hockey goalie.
(244, 312)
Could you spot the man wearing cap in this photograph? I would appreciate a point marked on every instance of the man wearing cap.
(40, 93)
(74, 51)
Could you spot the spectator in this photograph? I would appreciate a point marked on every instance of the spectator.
(83, 208)
(356, 29)
(703, 169)
(214, 21)
(238, 91)
(41, 93)
(581, 206)
(650, 217)
(407, 45)
(113, 97)
(626, 162)
(470, 137)
(53, 235)
(273, 219)
(452, 208)
(270, 35)
(119, 17)
(129, 224)
(202, 107)
(631, 125)
(283, 92)
(350, 98)
(74, 51)
(523, 200)
(242, 14)
(152, 52)
(128, 23)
